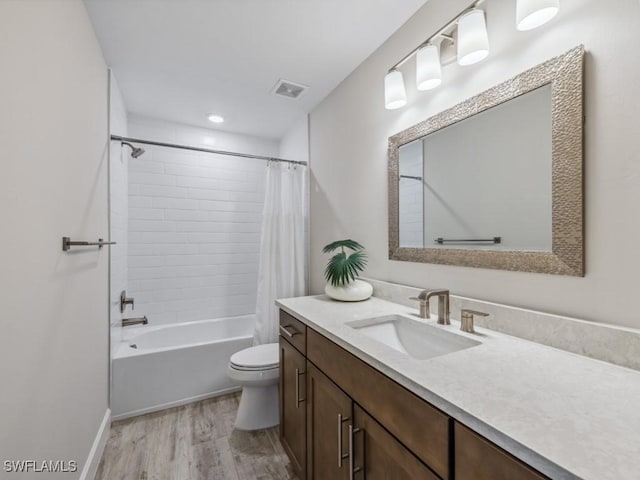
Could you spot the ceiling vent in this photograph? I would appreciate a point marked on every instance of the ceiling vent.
(285, 88)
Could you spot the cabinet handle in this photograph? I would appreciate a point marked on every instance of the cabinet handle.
(298, 399)
(283, 329)
(352, 468)
(341, 456)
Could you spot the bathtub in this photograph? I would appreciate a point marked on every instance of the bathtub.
(160, 367)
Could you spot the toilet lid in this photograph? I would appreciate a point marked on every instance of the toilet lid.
(258, 357)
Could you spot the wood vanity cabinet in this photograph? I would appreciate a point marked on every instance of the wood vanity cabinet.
(329, 414)
(478, 459)
(341, 419)
(292, 398)
(338, 428)
(379, 455)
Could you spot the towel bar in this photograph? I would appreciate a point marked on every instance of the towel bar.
(67, 243)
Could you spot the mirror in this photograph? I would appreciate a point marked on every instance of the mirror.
(495, 182)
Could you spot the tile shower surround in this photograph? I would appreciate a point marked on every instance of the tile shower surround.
(194, 234)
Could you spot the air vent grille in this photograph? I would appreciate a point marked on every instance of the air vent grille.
(288, 89)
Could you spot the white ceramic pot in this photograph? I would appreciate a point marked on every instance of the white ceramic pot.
(355, 291)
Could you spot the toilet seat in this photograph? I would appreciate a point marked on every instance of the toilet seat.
(258, 358)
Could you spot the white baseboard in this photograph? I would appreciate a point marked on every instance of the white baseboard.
(177, 403)
(97, 449)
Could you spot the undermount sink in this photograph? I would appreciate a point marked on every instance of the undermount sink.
(412, 337)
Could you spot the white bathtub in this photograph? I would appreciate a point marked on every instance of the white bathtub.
(175, 364)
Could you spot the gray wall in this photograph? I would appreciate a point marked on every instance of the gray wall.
(350, 128)
(55, 332)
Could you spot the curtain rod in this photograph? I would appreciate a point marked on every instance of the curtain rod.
(206, 150)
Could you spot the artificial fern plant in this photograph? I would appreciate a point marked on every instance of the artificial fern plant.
(342, 269)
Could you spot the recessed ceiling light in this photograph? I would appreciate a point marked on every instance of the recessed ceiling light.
(215, 118)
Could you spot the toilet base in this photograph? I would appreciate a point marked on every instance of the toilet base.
(258, 408)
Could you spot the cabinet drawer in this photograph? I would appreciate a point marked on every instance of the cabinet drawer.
(419, 426)
(293, 331)
(478, 459)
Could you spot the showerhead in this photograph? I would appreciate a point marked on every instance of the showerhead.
(135, 151)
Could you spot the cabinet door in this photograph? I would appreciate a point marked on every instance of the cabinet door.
(478, 459)
(378, 455)
(328, 418)
(292, 406)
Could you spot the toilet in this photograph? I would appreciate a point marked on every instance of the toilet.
(256, 369)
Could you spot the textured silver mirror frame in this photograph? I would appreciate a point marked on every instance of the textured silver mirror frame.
(565, 74)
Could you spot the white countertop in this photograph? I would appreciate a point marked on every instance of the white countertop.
(566, 415)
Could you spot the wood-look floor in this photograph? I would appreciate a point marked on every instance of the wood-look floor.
(193, 442)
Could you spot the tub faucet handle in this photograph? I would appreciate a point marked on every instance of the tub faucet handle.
(124, 301)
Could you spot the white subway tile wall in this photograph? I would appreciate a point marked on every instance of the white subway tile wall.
(411, 193)
(194, 234)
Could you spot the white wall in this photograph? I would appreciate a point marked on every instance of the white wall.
(119, 158)
(349, 132)
(295, 143)
(169, 132)
(55, 331)
(194, 224)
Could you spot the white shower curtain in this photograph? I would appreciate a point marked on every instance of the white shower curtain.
(282, 271)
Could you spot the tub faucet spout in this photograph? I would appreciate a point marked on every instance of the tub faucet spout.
(127, 322)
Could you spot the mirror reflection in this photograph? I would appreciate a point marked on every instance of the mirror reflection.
(482, 183)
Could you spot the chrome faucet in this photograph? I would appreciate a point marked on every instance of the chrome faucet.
(127, 322)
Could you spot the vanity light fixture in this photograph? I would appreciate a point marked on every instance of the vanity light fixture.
(473, 40)
(531, 14)
(215, 118)
(395, 95)
(428, 68)
(464, 39)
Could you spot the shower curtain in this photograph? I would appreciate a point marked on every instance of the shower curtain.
(282, 270)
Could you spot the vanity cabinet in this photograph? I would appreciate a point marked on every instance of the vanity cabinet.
(342, 419)
(421, 428)
(292, 405)
(329, 414)
(478, 459)
(378, 455)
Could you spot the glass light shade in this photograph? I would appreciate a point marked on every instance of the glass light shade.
(395, 95)
(428, 69)
(531, 14)
(473, 41)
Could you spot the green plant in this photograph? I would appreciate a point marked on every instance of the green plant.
(342, 268)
